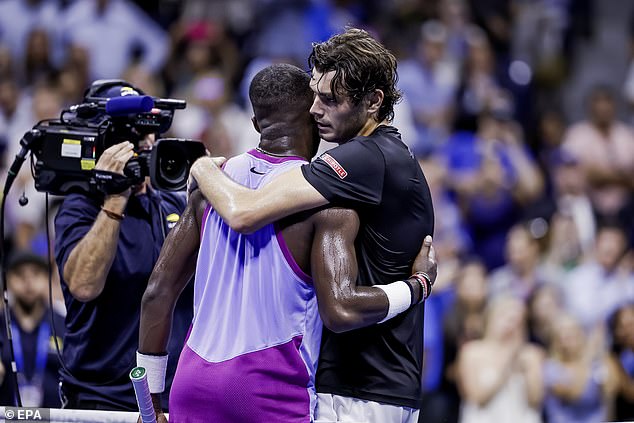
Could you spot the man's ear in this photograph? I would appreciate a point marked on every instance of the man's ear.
(254, 121)
(375, 100)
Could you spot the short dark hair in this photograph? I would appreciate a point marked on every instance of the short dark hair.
(361, 65)
(280, 88)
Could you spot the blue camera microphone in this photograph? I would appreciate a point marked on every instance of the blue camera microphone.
(129, 105)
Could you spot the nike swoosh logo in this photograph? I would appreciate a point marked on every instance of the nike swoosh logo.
(256, 172)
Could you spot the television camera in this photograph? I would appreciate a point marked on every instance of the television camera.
(67, 149)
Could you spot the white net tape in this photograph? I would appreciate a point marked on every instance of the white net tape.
(82, 416)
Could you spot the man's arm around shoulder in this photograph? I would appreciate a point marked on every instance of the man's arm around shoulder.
(246, 210)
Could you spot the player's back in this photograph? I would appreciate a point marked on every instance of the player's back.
(252, 350)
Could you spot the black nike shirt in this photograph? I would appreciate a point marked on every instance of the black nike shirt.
(379, 178)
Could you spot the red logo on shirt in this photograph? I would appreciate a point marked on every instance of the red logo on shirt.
(334, 164)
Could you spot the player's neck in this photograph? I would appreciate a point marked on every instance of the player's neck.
(369, 127)
(281, 147)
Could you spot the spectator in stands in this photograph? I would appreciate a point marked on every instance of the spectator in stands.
(33, 334)
(598, 287)
(71, 85)
(6, 62)
(456, 17)
(38, 66)
(500, 376)
(564, 251)
(463, 321)
(570, 197)
(480, 85)
(494, 177)
(27, 221)
(15, 115)
(521, 275)
(580, 380)
(544, 307)
(18, 18)
(429, 81)
(604, 147)
(110, 31)
(203, 78)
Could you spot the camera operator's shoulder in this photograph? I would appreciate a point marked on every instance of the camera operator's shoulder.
(76, 211)
(81, 201)
(174, 202)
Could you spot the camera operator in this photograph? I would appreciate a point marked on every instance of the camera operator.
(106, 246)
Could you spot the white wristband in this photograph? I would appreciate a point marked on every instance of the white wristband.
(399, 297)
(155, 368)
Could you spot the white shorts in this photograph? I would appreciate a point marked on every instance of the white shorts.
(335, 408)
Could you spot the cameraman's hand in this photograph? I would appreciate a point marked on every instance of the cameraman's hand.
(114, 159)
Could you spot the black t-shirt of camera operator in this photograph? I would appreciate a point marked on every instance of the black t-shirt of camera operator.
(379, 178)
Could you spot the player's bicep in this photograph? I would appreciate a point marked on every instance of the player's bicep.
(333, 255)
(177, 260)
(199, 205)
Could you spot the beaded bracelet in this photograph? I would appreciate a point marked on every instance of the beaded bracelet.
(112, 215)
(425, 283)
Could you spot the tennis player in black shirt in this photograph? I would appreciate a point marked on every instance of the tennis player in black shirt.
(371, 374)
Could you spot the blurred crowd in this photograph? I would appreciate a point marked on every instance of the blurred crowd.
(532, 316)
